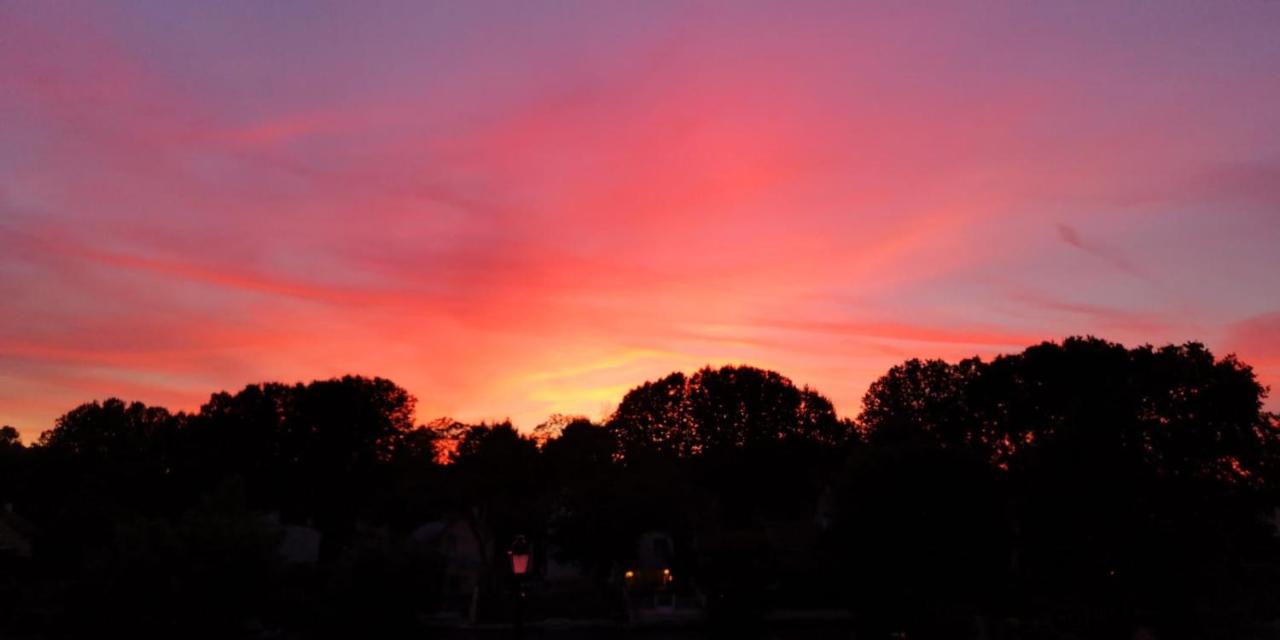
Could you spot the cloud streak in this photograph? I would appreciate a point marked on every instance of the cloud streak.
(1102, 251)
(518, 217)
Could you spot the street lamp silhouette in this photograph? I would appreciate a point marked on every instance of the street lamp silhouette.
(519, 555)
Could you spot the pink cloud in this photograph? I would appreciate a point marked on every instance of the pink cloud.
(533, 217)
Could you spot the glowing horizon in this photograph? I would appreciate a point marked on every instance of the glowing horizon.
(514, 210)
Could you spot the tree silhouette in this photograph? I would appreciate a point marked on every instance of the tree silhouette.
(654, 418)
(722, 409)
(1177, 409)
(321, 452)
(111, 455)
(9, 438)
(12, 459)
(924, 400)
(719, 455)
(594, 514)
(553, 427)
(921, 533)
(337, 434)
(410, 480)
(1081, 484)
(1136, 474)
(242, 435)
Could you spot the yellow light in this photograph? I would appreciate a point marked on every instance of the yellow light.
(630, 574)
(666, 572)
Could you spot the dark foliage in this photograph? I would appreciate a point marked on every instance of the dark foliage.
(715, 410)
(1080, 487)
(1135, 482)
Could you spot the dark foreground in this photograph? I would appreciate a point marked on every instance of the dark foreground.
(1074, 490)
(799, 633)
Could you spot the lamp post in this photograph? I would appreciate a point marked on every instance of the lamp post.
(519, 556)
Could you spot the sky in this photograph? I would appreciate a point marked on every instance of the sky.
(525, 208)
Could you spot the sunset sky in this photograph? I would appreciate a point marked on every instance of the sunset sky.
(515, 209)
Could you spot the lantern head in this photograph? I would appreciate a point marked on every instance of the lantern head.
(519, 554)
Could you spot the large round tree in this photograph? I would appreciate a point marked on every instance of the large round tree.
(715, 410)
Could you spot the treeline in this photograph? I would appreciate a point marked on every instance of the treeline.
(1076, 487)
